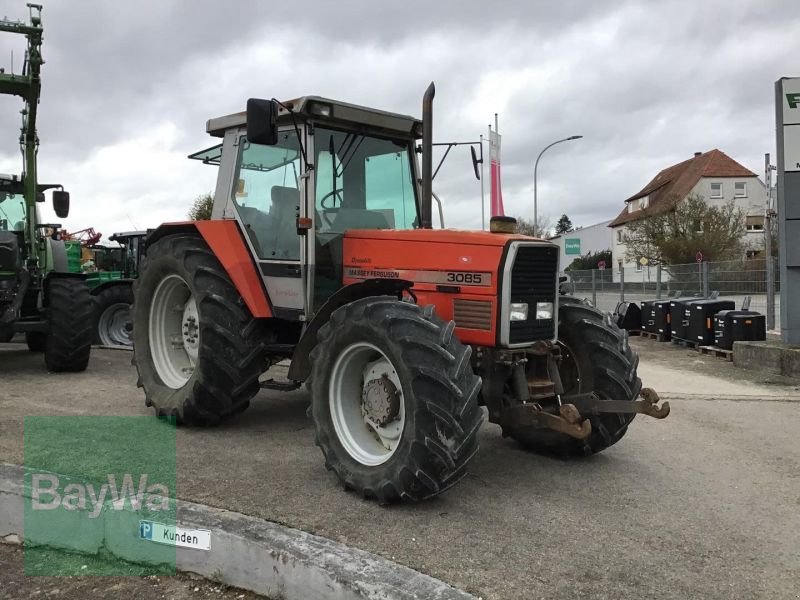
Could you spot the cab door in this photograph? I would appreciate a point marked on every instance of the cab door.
(267, 196)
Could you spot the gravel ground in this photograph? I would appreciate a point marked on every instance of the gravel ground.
(15, 585)
(705, 504)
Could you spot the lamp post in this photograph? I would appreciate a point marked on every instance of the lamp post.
(535, 170)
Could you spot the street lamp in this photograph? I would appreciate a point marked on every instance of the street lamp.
(536, 168)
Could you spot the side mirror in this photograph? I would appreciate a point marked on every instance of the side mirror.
(262, 126)
(61, 203)
(476, 161)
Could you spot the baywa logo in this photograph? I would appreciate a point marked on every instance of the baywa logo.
(793, 100)
(48, 494)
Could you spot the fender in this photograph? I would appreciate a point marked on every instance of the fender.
(224, 238)
(300, 368)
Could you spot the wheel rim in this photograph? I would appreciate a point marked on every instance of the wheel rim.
(113, 327)
(367, 404)
(174, 331)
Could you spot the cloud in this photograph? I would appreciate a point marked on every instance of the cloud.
(128, 88)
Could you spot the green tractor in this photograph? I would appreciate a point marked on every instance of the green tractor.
(112, 287)
(39, 296)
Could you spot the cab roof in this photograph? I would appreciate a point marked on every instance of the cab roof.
(340, 112)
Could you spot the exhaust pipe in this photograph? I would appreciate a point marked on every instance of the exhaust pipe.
(427, 158)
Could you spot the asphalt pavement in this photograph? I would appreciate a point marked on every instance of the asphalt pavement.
(705, 504)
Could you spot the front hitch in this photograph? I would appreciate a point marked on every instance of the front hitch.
(590, 404)
(574, 410)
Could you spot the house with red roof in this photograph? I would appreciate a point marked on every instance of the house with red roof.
(713, 175)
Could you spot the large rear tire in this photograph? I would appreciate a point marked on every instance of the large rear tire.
(394, 400)
(197, 348)
(596, 357)
(113, 310)
(70, 312)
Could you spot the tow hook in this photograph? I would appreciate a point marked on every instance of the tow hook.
(568, 420)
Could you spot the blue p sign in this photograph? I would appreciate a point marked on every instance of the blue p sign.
(146, 530)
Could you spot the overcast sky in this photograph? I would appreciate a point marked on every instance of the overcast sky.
(128, 86)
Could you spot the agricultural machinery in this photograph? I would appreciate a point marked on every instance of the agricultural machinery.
(39, 296)
(321, 250)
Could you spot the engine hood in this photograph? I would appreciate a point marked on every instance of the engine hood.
(439, 236)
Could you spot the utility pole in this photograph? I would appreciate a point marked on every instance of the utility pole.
(768, 262)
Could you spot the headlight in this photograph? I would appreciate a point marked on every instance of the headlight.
(544, 310)
(519, 311)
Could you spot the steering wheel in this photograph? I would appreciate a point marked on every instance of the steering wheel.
(323, 205)
(331, 194)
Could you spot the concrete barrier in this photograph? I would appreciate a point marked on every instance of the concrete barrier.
(244, 551)
(770, 356)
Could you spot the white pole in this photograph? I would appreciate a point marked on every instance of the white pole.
(483, 199)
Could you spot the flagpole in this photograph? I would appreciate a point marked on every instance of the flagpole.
(483, 199)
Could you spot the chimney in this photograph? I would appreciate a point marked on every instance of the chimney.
(696, 154)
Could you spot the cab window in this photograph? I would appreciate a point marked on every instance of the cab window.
(267, 197)
(363, 182)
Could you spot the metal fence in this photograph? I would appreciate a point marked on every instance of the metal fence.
(732, 280)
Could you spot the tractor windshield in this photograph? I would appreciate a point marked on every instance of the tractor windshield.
(265, 193)
(12, 212)
(363, 182)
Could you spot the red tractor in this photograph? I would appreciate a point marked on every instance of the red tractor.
(321, 250)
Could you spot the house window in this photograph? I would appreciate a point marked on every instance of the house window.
(639, 267)
(630, 207)
(755, 223)
(753, 253)
(740, 189)
(644, 201)
(619, 236)
(716, 190)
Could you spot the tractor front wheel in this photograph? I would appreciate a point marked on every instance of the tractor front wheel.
(394, 400)
(595, 357)
(70, 313)
(198, 350)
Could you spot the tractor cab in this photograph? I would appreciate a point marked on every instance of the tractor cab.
(327, 168)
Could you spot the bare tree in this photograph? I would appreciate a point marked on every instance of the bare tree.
(201, 208)
(677, 235)
(541, 229)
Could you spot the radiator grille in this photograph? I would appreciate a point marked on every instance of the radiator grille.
(533, 279)
(473, 314)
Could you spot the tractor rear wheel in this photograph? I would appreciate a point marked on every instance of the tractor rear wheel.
(113, 306)
(596, 357)
(197, 348)
(394, 400)
(70, 312)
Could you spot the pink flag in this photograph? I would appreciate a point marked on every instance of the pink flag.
(494, 160)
